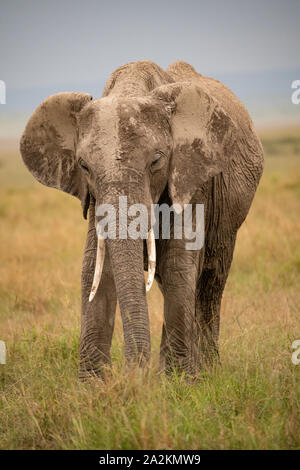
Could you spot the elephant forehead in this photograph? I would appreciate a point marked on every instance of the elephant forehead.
(101, 113)
(120, 128)
(142, 111)
(142, 121)
(98, 127)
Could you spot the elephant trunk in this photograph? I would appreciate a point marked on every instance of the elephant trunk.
(127, 263)
(126, 257)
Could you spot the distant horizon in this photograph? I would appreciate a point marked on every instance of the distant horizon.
(265, 94)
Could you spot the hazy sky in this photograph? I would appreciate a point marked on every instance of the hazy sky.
(49, 46)
(51, 42)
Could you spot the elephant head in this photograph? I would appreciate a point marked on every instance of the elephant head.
(176, 137)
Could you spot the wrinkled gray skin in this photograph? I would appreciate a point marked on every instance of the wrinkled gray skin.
(155, 136)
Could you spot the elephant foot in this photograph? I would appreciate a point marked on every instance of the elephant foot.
(208, 360)
(94, 366)
(177, 366)
(86, 374)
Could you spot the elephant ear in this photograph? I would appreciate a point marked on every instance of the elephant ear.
(203, 138)
(48, 145)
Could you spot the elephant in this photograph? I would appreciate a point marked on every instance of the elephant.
(155, 136)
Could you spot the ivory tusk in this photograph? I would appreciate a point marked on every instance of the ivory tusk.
(98, 267)
(151, 259)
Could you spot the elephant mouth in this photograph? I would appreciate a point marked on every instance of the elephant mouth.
(151, 249)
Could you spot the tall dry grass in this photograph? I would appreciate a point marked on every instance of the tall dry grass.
(251, 402)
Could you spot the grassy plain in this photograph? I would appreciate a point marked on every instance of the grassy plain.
(251, 402)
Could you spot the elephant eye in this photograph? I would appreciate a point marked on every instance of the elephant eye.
(157, 157)
(83, 165)
(157, 162)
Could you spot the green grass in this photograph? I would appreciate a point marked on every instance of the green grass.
(251, 402)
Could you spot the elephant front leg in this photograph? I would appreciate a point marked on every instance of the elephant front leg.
(98, 316)
(208, 303)
(207, 327)
(179, 278)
